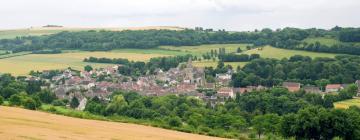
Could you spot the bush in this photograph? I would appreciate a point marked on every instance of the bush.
(15, 100)
(29, 103)
(174, 121)
(1, 100)
(58, 103)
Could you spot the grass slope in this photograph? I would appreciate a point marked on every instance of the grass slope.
(22, 65)
(272, 52)
(19, 124)
(203, 49)
(347, 103)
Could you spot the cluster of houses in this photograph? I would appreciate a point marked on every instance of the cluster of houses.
(185, 80)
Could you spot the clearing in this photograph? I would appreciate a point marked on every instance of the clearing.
(347, 103)
(22, 65)
(22, 124)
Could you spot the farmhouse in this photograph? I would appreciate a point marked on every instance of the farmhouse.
(333, 87)
(225, 92)
(291, 86)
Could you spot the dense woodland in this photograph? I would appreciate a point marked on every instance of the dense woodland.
(271, 112)
(289, 38)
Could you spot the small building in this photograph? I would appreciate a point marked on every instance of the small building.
(333, 87)
(226, 92)
(312, 89)
(291, 86)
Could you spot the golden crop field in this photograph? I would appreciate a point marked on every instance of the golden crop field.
(21, 124)
(22, 65)
(347, 103)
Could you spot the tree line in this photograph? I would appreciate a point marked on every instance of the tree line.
(289, 38)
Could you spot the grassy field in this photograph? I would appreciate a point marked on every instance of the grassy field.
(21, 124)
(203, 49)
(347, 103)
(22, 65)
(272, 52)
(37, 31)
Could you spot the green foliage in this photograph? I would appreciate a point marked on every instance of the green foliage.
(15, 100)
(46, 96)
(1, 100)
(174, 121)
(74, 103)
(88, 68)
(29, 103)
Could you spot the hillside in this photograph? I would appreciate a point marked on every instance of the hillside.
(37, 31)
(18, 124)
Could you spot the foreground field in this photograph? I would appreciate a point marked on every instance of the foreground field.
(272, 52)
(21, 124)
(22, 65)
(347, 103)
(37, 31)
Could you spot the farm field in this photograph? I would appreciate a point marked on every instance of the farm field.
(203, 49)
(37, 31)
(22, 65)
(21, 124)
(347, 103)
(272, 52)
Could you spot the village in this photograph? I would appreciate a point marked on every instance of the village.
(186, 80)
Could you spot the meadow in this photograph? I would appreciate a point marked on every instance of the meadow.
(347, 103)
(203, 49)
(22, 124)
(22, 65)
(272, 52)
(322, 40)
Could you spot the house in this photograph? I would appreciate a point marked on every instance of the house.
(291, 86)
(223, 76)
(225, 92)
(240, 90)
(333, 87)
(358, 85)
(312, 89)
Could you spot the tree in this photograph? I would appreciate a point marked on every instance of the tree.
(74, 103)
(8, 91)
(174, 121)
(1, 100)
(29, 103)
(322, 83)
(46, 96)
(117, 104)
(15, 100)
(267, 123)
(238, 50)
(88, 68)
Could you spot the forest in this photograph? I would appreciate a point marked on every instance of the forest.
(288, 38)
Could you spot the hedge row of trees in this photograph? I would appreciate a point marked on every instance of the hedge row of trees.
(238, 57)
(318, 71)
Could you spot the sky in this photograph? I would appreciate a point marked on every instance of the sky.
(234, 15)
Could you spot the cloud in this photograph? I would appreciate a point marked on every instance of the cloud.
(218, 14)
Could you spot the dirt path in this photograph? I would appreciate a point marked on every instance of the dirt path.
(17, 123)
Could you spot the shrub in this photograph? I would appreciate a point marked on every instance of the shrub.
(1, 100)
(15, 100)
(174, 121)
(58, 103)
(29, 103)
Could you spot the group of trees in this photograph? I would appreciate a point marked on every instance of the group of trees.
(238, 57)
(107, 60)
(269, 72)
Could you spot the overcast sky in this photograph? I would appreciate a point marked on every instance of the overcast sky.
(217, 14)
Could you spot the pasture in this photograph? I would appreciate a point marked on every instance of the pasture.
(22, 124)
(272, 52)
(22, 65)
(203, 49)
(347, 103)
